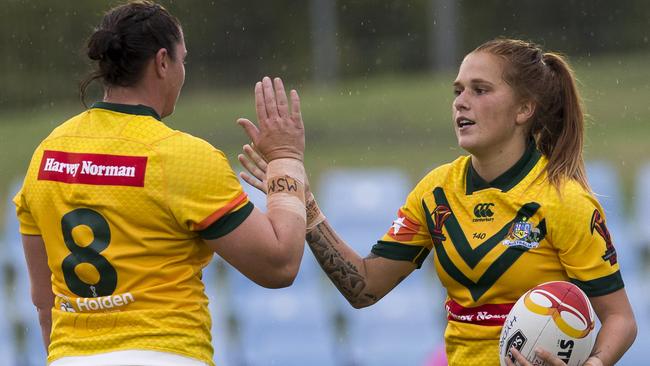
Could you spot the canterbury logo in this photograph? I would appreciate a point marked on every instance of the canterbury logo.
(554, 307)
(483, 210)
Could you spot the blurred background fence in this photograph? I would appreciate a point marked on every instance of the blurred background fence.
(375, 81)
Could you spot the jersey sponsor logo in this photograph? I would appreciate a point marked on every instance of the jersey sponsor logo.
(598, 224)
(85, 304)
(483, 212)
(523, 234)
(66, 304)
(96, 169)
(403, 228)
(472, 255)
(486, 314)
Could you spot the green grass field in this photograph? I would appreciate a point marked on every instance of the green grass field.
(392, 121)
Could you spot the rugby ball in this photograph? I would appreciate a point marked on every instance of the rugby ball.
(556, 316)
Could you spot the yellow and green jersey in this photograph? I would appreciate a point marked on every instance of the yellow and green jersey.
(123, 202)
(493, 242)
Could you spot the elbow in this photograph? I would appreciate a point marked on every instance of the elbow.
(43, 301)
(281, 266)
(278, 283)
(360, 304)
(282, 276)
(633, 330)
(362, 301)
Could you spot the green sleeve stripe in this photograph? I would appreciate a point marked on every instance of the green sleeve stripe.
(227, 223)
(601, 286)
(400, 252)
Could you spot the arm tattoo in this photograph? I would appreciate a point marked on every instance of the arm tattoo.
(342, 273)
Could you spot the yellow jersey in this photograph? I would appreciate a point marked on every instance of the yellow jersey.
(122, 203)
(493, 242)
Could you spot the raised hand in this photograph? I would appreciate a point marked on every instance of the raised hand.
(281, 133)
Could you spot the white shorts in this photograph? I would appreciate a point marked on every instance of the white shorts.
(129, 358)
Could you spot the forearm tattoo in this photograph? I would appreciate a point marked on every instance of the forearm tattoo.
(342, 273)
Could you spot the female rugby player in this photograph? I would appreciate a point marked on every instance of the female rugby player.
(523, 188)
(120, 213)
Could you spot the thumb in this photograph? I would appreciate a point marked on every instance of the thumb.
(249, 127)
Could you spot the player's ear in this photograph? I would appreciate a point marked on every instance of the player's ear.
(161, 62)
(525, 112)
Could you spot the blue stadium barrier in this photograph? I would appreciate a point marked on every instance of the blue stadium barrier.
(31, 350)
(641, 200)
(637, 291)
(406, 326)
(628, 237)
(636, 286)
(7, 337)
(361, 204)
(606, 185)
(288, 326)
(284, 327)
(221, 340)
(403, 328)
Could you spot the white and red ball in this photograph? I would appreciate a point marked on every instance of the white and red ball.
(556, 316)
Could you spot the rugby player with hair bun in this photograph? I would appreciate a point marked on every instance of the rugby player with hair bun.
(119, 213)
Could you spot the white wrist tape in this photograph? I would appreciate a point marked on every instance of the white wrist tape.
(285, 186)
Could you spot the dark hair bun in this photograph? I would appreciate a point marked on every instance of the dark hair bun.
(128, 36)
(104, 44)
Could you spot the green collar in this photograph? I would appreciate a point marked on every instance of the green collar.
(509, 178)
(140, 110)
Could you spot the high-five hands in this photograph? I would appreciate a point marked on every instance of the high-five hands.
(267, 146)
(281, 133)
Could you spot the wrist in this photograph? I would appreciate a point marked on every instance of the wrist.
(284, 154)
(285, 186)
(314, 214)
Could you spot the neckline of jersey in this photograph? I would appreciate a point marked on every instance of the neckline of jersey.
(140, 109)
(507, 180)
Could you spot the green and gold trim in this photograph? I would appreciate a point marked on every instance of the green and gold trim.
(139, 110)
(601, 286)
(400, 252)
(507, 180)
(227, 223)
